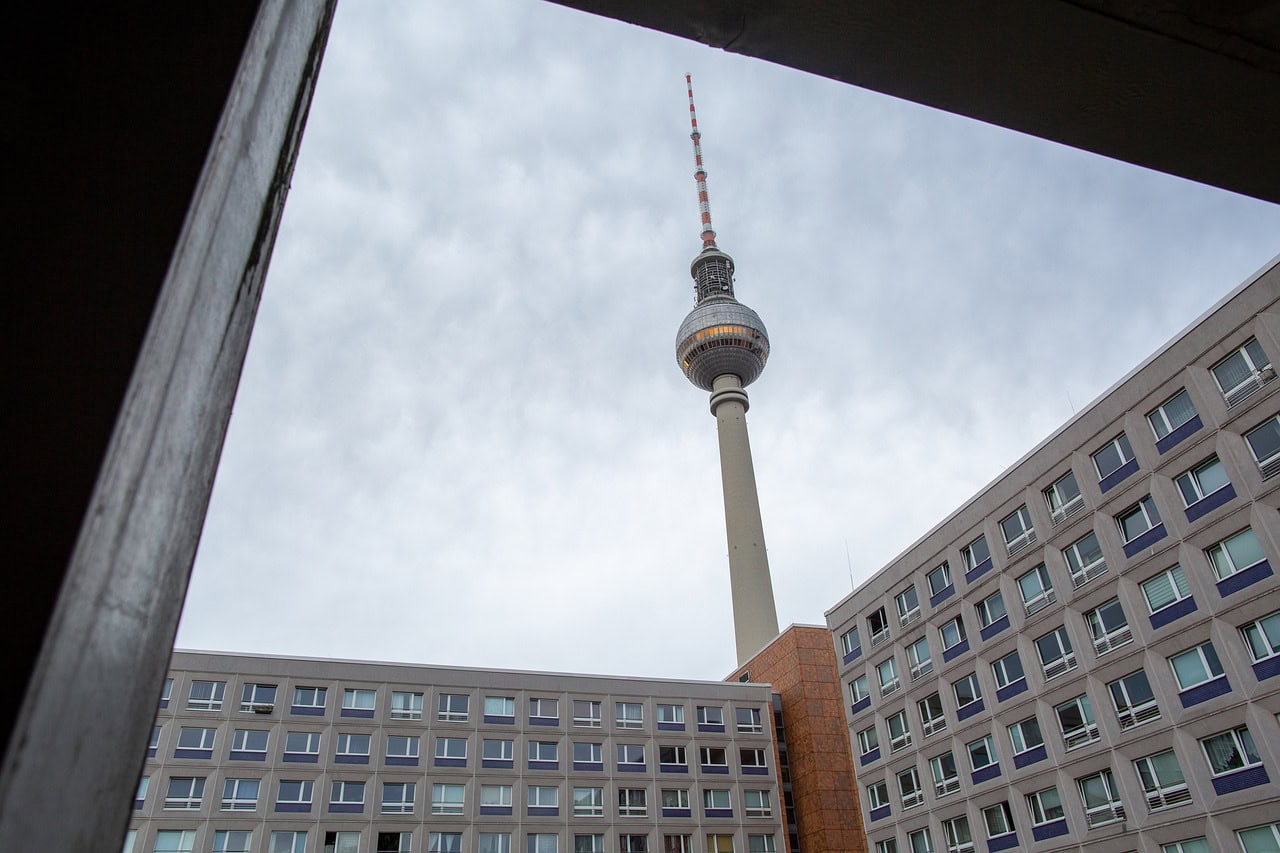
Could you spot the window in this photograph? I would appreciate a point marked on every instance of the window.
(1112, 456)
(888, 672)
(952, 633)
(946, 776)
(757, 804)
(719, 844)
(1084, 559)
(1037, 589)
(1018, 530)
(358, 700)
(714, 798)
(1230, 751)
(878, 625)
(958, 837)
(402, 746)
(677, 844)
(310, 697)
(982, 753)
(499, 706)
(453, 707)
(990, 610)
(302, 743)
(710, 715)
(166, 693)
(919, 841)
(545, 750)
(1056, 655)
(672, 756)
(939, 579)
(232, 840)
(406, 706)
(628, 715)
(397, 797)
(546, 710)
(751, 757)
(1138, 519)
(878, 795)
(258, 698)
(712, 756)
(394, 842)
(175, 840)
(1063, 498)
(1101, 799)
(675, 798)
(353, 744)
(1262, 638)
(909, 788)
(632, 843)
(543, 796)
(1196, 666)
(908, 605)
(249, 740)
(448, 799)
(932, 720)
(1162, 780)
(889, 845)
(1237, 552)
(998, 820)
(206, 695)
(849, 642)
(295, 791)
(1008, 670)
(1259, 839)
(588, 753)
(586, 714)
(967, 690)
(191, 737)
(1168, 587)
(350, 793)
(975, 553)
(1134, 702)
(185, 792)
(868, 740)
(918, 658)
(1264, 443)
(1191, 845)
(240, 794)
(899, 731)
(1243, 372)
(1203, 480)
(288, 841)
(761, 844)
(588, 802)
(632, 802)
(671, 714)
(1075, 719)
(1108, 626)
(586, 844)
(1025, 735)
(444, 842)
(451, 747)
(342, 842)
(633, 754)
(858, 689)
(749, 720)
(154, 743)
(1171, 414)
(1045, 806)
(495, 795)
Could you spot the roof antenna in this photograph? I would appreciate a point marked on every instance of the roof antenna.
(849, 560)
(700, 174)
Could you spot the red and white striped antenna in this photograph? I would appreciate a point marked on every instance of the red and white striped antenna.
(700, 174)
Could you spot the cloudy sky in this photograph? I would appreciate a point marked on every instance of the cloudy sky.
(461, 436)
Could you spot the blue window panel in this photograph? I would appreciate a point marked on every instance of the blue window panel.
(714, 769)
(677, 813)
(1174, 611)
(300, 808)
(1031, 756)
(366, 713)
(1117, 476)
(670, 727)
(1204, 692)
(543, 721)
(717, 812)
(1269, 668)
(867, 758)
(1052, 829)
(969, 710)
(755, 771)
(994, 628)
(640, 768)
(849, 658)
(151, 752)
(1209, 503)
(544, 811)
(349, 808)
(499, 720)
(300, 757)
(1173, 438)
(986, 774)
(978, 570)
(882, 812)
(452, 762)
(137, 804)
(401, 761)
(1146, 540)
(164, 703)
(351, 759)
(955, 651)
(859, 706)
(711, 727)
(1249, 777)
(1003, 842)
(495, 810)
(544, 765)
(1240, 580)
(584, 765)
(943, 595)
(196, 753)
(494, 763)
(671, 768)
(306, 711)
(1011, 690)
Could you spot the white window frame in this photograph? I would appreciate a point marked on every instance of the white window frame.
(1018, 735)
(544, 708)
(1004, 824)
(234, 800)
(931, 723)
(448, 798)
(849, 641)
(1191, 484)
(1273, 827)
(944, 784)
(506, 749)
(859, 689)
(539, 750)
(1044, 595)
(1243, 744)
(1221, 559)
(207, 737)
(240, 740)
(1042, 813)
(713, 756)
(412, 744)
(902, 740)
(310, 697)
(1131, 712)
(987, 743)
(1207, 663)
(749, 720)
(888, 686)
(956, 623)
(957, 834)
(588, 801)
(1161, 423)
(674, 843)
(252, 703)
(756, 803)
(1087, 732)
(1100, 814)
(630, 842)
(1062, 657)
(1256, 362)
(909, 790)
(1187, 845)
(887, 845)
(499, 706)
(175, 799)
(1146, 508)
(354, 699)
(751, 756)
(295, 841)
(881, 635)
(232, 840)
(347, 792)
(716, 798)
(761, 844)
(1270, 464)
(942, 570)
(868, 742)
(1162, 793)
(1262, 637)
(710, 715)
(985, 609)
(628, 715)
(404, 805)
(306, 791)
(681, 755)
(498, 796)
(917, 664)
(908, 602)
(183, 843)
(1081, 571)
(1024, 534)
(969, 553)
(453, 707)
(878, 794)
(674, 798)
(591, 719)
(670, 713)
(1176, 578)
(447, 747)
(406, 705)
(213, 702)
(1061, 507)
(1124, 452)
(343, 745)
(1000, 670)
(920, 841)
(443, 842)
(977, 690)
(1108, 639)
(632, 755)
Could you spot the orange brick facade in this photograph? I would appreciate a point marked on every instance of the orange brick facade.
(801, 666)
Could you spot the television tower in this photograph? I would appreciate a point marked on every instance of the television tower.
(722, 347)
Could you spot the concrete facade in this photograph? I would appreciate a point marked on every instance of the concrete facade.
(317, 756)
(1087, 651)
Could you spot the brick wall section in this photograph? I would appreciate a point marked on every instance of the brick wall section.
(801, 666)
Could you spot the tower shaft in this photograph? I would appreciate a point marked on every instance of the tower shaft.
(755, 619)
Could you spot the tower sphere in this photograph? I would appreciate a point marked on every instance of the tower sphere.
(721, 336)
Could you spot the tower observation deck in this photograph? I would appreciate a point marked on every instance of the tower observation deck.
(722, 347)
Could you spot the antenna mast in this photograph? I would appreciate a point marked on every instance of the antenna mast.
(700, 174)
